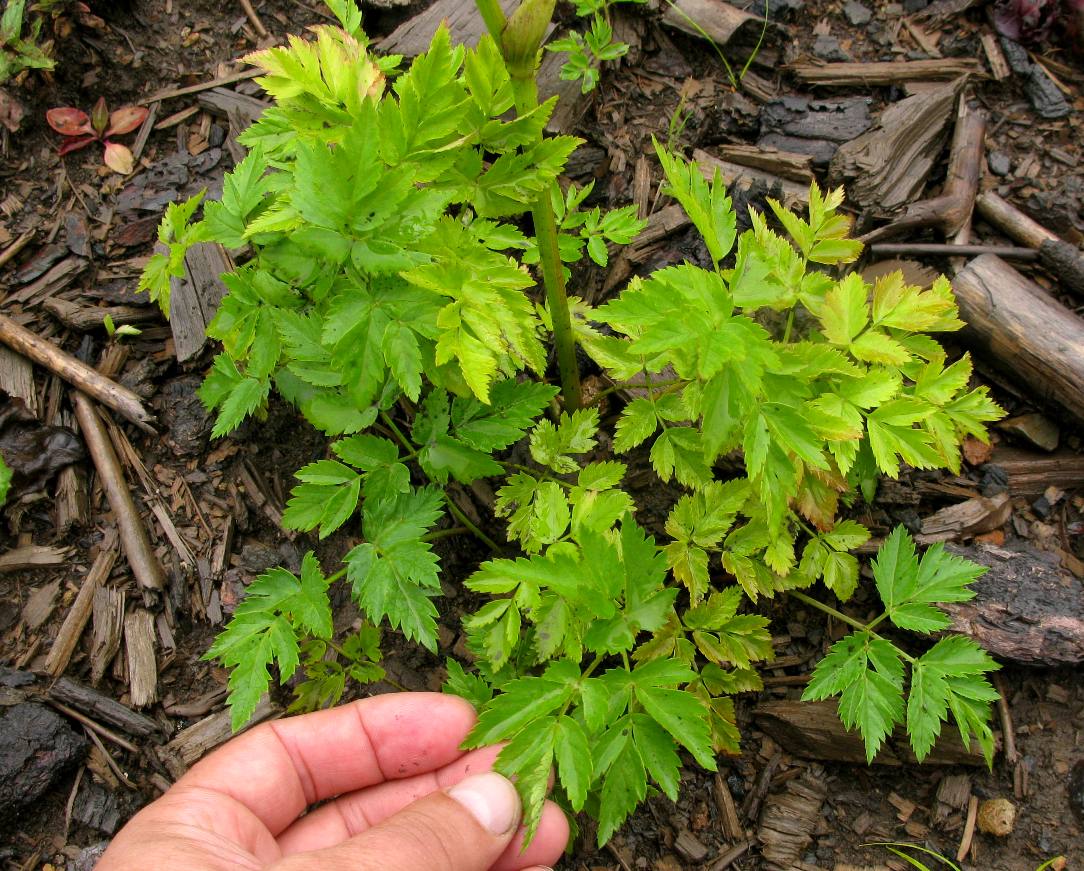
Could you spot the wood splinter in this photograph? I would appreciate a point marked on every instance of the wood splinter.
(77, 373)
(951, 211)
(133, 534)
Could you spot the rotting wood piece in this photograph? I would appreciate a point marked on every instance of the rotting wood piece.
(789, 819)
(951, 211)
(72, 628)
(813, 730)
(886, 167)
(725, 25)
(795, 196)
(1026, 608)
(194, 299)
(191, 744)
(108, 630)
(33, 556)
(133, 534)
(17, 379)
(91, 317)
(1024, 330)
(76, 372)
(966, 519)
(785, 164)
(1030, 473)
(885, 72)
(142, 665)
(1060, 258)
(102, 707)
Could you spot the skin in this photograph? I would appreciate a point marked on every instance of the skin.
(381, 769)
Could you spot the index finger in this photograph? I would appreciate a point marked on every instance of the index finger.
(278, 769)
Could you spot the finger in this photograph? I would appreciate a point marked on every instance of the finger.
(359, 811)
(545, 848)
(464, 828)
(302, 760)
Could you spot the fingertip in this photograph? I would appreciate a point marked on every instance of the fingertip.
(545, 848)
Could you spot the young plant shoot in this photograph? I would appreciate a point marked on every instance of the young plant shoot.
(389, 297)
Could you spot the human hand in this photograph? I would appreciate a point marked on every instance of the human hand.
(398, 795)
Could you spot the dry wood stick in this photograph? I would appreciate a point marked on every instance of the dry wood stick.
(969, 829)
(72, 694)
(133, 534)
(202, 86)
(951, 210)
(1064, 260)
(1008, 733)
(94, 726)
(76, 372)
(732, 855)
(261, 31)
(885, 72)
(938, 250)
(72, 628)
(15, 247)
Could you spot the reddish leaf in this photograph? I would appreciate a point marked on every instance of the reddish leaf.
(68, 121)
(118, 158)
(126, 120)
(74, 143)
(99, 116)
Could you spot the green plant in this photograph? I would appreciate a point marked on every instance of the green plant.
(80, 130)
(734, 78)
(19, 52)
(5, 481)
(898, 848)
(113, 331)
(388, 298)
(588, 51)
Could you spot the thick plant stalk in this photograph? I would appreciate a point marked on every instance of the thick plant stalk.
(519, 40)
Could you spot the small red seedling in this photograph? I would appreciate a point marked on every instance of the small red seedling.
(80, 130)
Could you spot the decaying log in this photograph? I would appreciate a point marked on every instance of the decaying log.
(789, 819)
(1030, 473)
(723, 24)
(887, 166)
(133, 534)
(102, 707)
(85, 318)
(1062, 259)
(1023, 329)
(72, 628)
(885, 72)
(813, 730)
(1026, 608)
(795, 196)
(194, 299)
(142, 665)
(76, 372)
(191, 744)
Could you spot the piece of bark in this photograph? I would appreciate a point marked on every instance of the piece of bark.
(85, 318)
(725, 25)
(463, 21)
(789, 819)
(142, 665)
(953, 793)
(1026, 609)
(40, 605)
(52, 282)
(785, 164)
(966, 519)
(795, 196)
(17, 379)
(102, 707)
(72, 628)
(1060, 258)
(1035, 428)
(192, 744)
(133, 534)
(572, 103)
(1030, 473)
(229, 104)
(887, 166)
(885, 72)
(33, 556)
(834, 121)
(108, 630)
(728, 812)
(76, 372)
(995, 57)
(1024, 330)
(813, 730)
(71, 504)
(194, 299)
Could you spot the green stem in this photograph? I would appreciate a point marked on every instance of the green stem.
(789, 327)
(850, 621)
(455, 511)
(438, 534)
(493, 16)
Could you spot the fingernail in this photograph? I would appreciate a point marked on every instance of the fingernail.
(491, 799)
